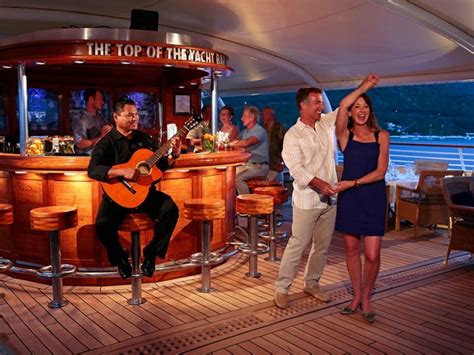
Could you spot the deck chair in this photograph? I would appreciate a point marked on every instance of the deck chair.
(425, 204)
(459, 195)
(430, 165)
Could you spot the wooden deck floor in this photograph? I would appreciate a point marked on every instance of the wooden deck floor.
(421, 307)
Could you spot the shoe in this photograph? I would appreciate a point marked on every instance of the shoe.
(281, 300)
(316, 292)
(124, 268)
(148, 266)
(369, 316)
(348, 310)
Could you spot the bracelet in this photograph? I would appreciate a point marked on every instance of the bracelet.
(356, 183)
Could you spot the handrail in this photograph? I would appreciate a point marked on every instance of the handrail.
(459, 156)
(434, 145)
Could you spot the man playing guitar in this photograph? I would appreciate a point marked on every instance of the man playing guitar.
(117, 147)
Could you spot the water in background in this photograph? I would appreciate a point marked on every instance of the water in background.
(431, 113)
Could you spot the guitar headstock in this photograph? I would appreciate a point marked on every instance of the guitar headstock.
(192, 122)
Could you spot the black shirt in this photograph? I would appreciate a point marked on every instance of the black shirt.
(115, 149)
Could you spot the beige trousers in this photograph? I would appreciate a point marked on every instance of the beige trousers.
(316, 226)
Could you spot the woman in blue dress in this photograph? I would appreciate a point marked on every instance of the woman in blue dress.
(362, 200)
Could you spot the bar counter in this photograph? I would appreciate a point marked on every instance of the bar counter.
(30, 182)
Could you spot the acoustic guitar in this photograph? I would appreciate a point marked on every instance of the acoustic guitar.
(131, 194)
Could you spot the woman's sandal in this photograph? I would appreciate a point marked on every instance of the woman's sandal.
(369, 316)
(348, 310)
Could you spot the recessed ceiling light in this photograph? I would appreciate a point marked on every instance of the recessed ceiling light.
(169, 65)
(40, 63)
(194, 83)
(125, 62)
(79, 61)
(181, 86)
(6, 66)
(201, 68)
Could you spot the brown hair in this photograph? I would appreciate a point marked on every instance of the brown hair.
(303, 93)
(230, 109)
(372, 121)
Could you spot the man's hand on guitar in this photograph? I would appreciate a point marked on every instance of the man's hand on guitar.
(130, 174)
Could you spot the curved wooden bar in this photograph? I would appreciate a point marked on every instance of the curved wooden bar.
(31, 182)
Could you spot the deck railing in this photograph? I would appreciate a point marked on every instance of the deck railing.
(459, 157)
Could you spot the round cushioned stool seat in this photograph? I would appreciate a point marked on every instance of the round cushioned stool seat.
(279, 194)
(6, 214)
(252, 184)
(204, 209)
(136, 222)
(53, 218)
(253, 204)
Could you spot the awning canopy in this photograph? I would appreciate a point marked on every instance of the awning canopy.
(279, 45)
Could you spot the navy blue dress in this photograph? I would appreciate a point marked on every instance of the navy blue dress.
(361, 210)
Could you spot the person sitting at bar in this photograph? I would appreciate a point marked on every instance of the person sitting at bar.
(276, 133)
(226, 116)
(193, 138)
(116, 148)
(255, 140)
(90, 127)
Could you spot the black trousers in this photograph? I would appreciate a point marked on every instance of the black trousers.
(160, 208)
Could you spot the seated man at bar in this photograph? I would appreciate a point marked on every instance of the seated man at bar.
(116, 148)
(90, 127)
(276, 133)
(255, 140)
(193, 138)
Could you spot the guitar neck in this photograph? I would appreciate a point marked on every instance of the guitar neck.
(163, 150)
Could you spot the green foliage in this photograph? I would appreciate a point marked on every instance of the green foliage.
(430, 109)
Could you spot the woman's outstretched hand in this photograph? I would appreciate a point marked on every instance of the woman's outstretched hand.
(370, 81)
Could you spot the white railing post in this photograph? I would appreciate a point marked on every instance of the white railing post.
(461, 158)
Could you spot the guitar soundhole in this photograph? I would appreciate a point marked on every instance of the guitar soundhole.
(144, 169)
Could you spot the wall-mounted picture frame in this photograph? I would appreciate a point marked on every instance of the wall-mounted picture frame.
(182, 104)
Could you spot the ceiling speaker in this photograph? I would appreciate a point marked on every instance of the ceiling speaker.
(144, 20)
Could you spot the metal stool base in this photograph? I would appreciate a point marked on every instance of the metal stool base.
(58, 304)
(275, 259)
(205, 290)
(134, 302)
(255, 275)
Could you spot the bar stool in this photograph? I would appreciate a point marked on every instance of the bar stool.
(136, 223)
(260, 182)
(54, 219)
(280, 196)
(6, 218)
(253, 205)
(205, 210)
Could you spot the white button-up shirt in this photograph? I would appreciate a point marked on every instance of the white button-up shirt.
(309, 153)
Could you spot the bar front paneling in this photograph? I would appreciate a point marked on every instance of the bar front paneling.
(30, 182)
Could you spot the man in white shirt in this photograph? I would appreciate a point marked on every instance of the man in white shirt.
(308, 152)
